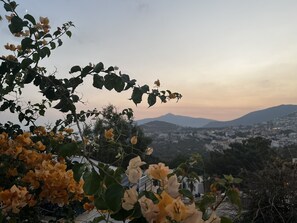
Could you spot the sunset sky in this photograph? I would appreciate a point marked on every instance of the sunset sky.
(226, 57)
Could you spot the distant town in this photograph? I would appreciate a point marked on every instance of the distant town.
(171, 140)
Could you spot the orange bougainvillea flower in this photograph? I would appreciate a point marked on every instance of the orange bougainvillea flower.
(133, 140)
(165, 200)
(88, 206)
(40, 146)
(149, 151)
(157, 83)
(149, 210)
(108, 134)
(129, 199)
(14, 199)
(158, 171)
(134, 172)
(12, 172)
(24, 139)
(177, 210)
(40, 131)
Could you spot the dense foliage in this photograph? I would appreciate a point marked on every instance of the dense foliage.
(123, 128)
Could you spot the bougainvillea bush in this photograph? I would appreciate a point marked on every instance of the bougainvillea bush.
(40, 173)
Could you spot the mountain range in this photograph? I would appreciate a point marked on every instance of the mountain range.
(248, 119)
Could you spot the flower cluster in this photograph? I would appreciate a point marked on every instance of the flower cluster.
(32, 176)
(15, 198)
(169, 205)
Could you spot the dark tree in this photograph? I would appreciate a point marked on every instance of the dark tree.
(120, 150)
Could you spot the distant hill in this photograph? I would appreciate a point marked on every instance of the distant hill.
(255, 117)
(183, 121)
(159, 126)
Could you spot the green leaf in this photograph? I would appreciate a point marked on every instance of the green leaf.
(109, 81)
(8, 7)
(98, 219)
(130, 84)
(26, 43)
(68, 33)
(68, 149)
(151, 99)
(229, 178)
(75, 69)
(53, 45)
(36, 57)
(237, 180)
(234, 197)
(113, 197)
(125, 78)
(78, 170)
(98, 81)
(29, 77)
(136, 95)
(118, 84)
(207, 201)
(75, 98)
(26, 63)
(92, 182)
(16, 25)
(60, 42)
(110, 69)
(145, 88)
(5, 106)
(21, 116)
(45, 51)
(30, 18)
(100, 203)
(121, 215)
(99, 67)
(226, 220)
(86, 70)
(186, 193)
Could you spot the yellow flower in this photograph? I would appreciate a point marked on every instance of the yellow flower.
(88, 206)
(157, 83)
(195, 215)
(67, 130)
(133, 140)
(9, 17)
(135, 163)
(108, 134)
(165, 200)
(134, 175)
(172, 186)
(40, 130)
(40, 146)
(129, 199)
(149, 210)
(44, 20)
(177, 210)
(149, 151)
(158, 171)
(134, 172)
(14, 199)
(24, 139)
(12, 172)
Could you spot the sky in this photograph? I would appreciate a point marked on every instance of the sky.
(226, 57)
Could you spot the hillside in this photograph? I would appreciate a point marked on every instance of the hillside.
(180, 120)
(159, 126)
(255, 117)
